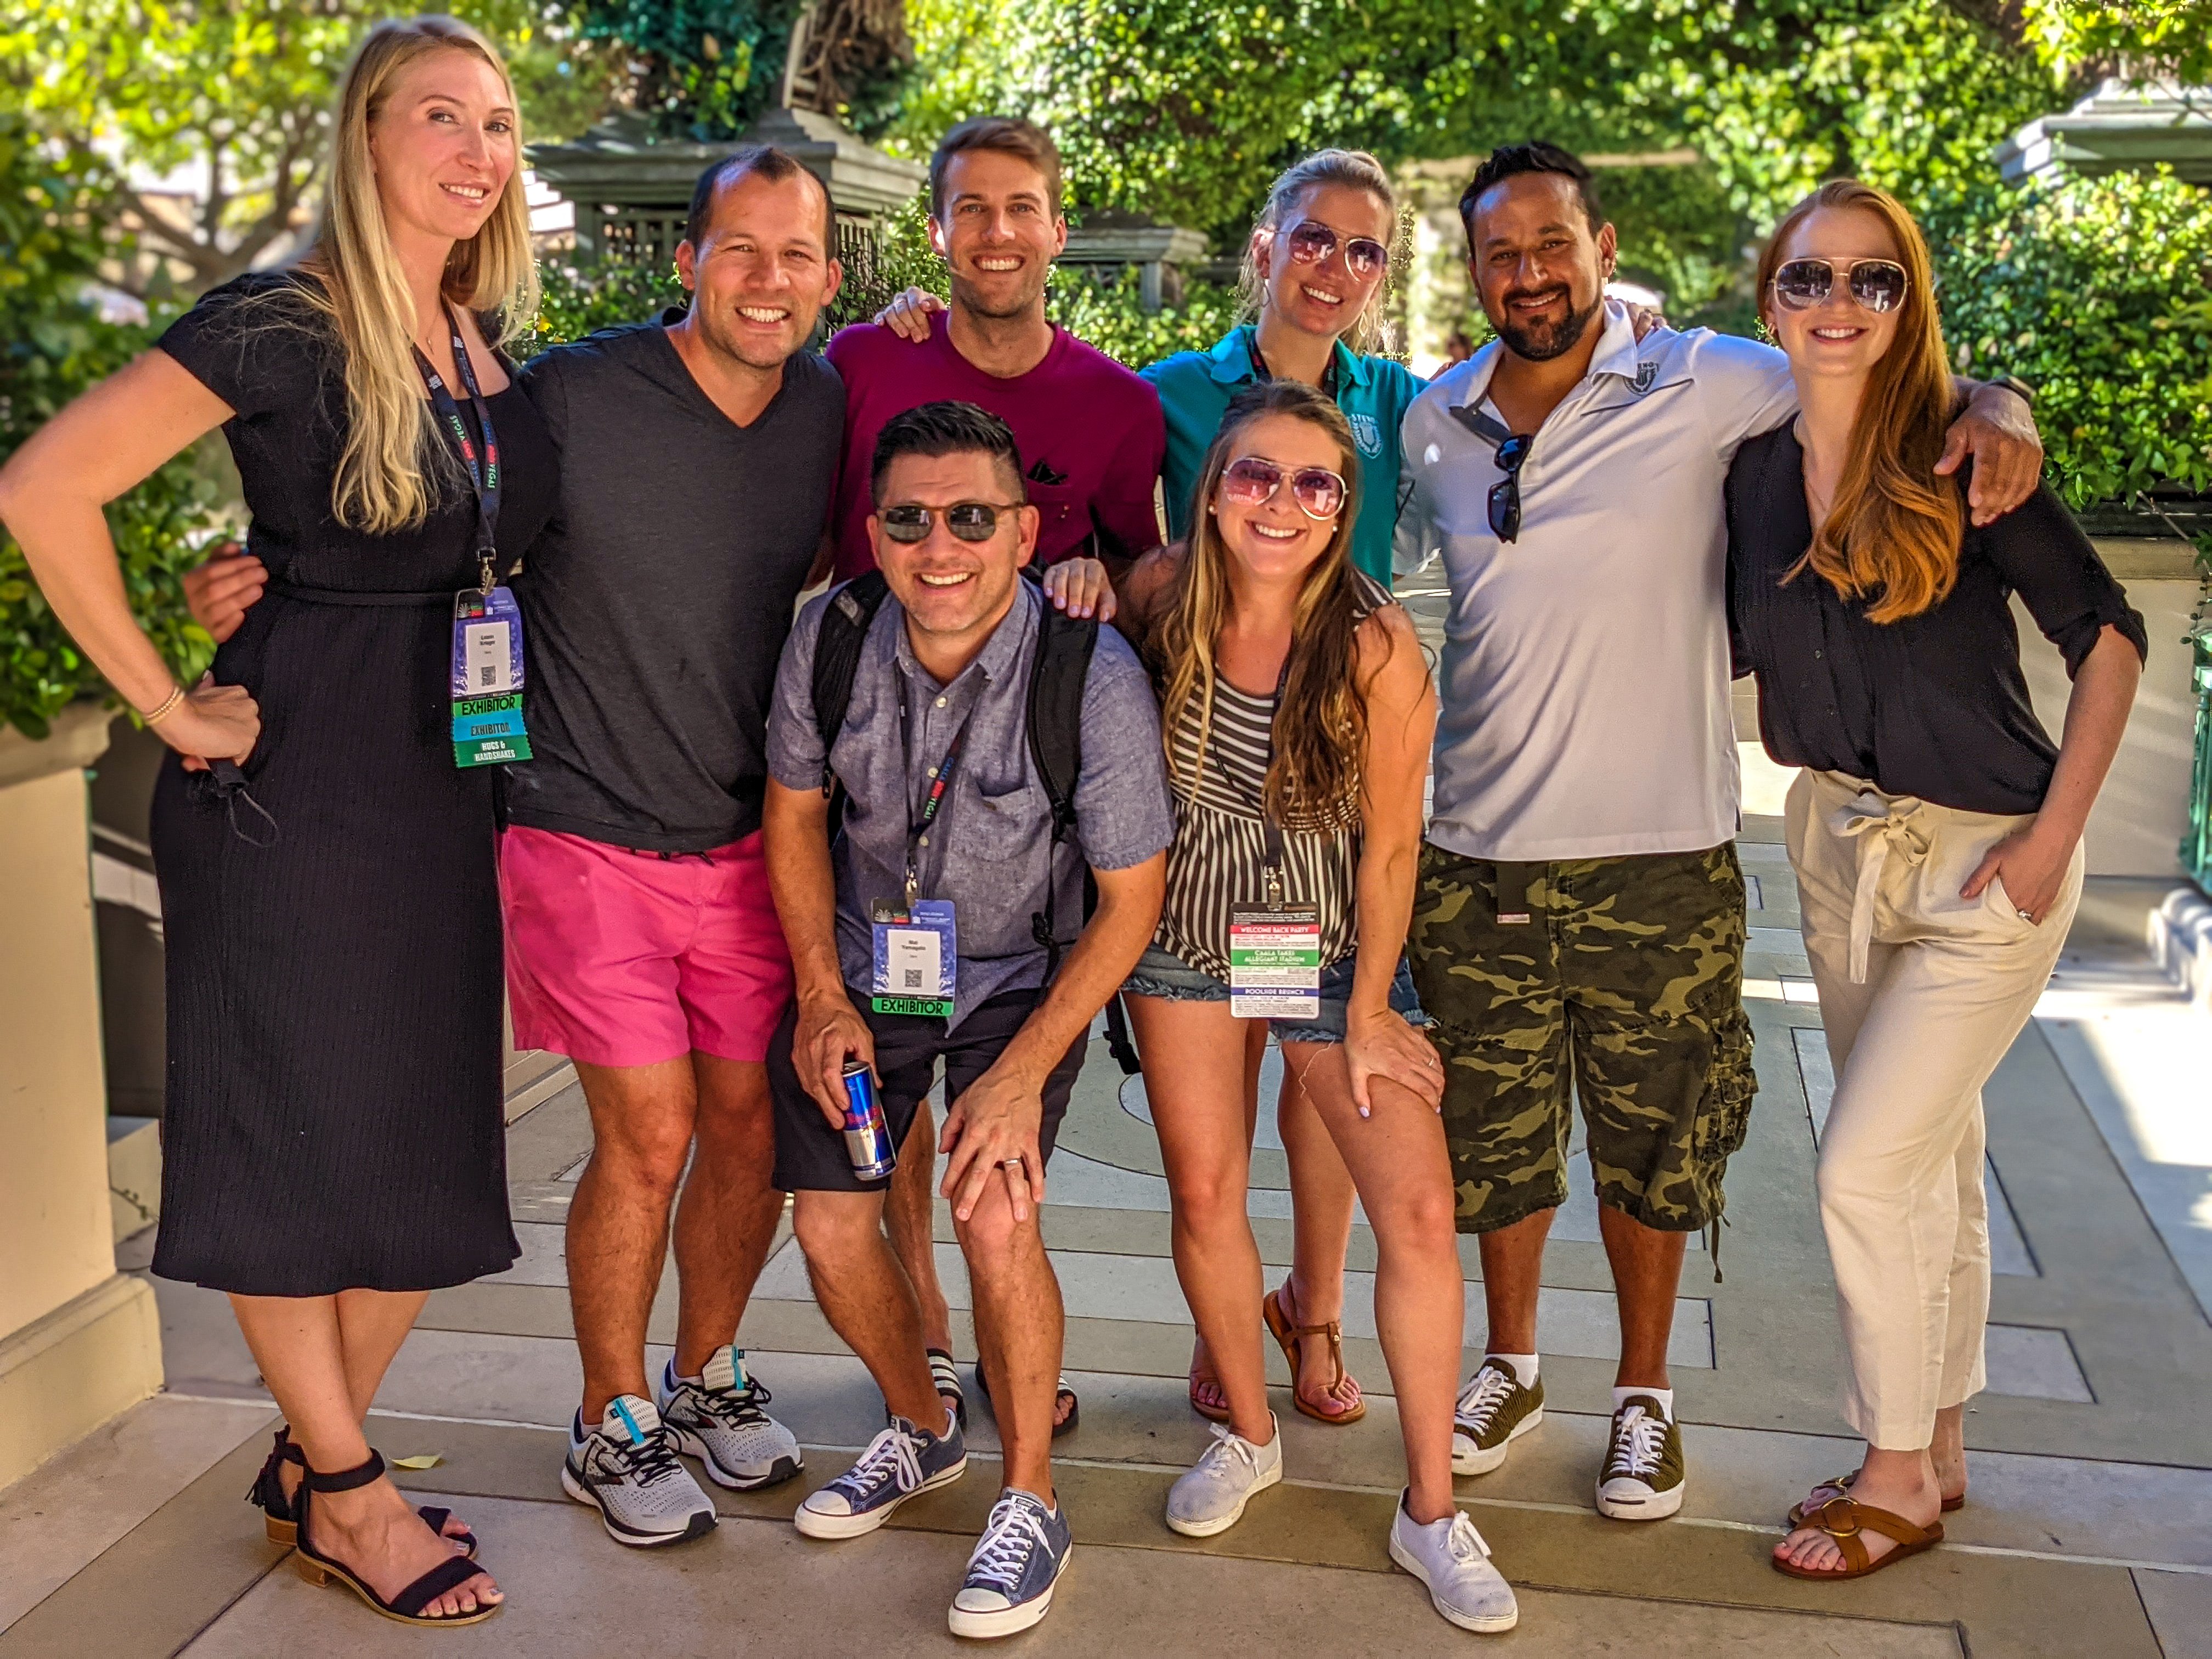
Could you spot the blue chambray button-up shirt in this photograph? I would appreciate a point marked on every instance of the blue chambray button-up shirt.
(990, 844)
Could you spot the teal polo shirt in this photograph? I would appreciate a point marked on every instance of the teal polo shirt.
(1374, 393)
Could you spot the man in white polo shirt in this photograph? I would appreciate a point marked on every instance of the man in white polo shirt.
(1580, 922)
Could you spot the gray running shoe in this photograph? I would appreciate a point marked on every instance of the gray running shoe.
(1644, 1478)
(1493, 1411)
(1023, 1551)
(1210, 1496)
(626, 1469)
(1450, 1558)
(718, 1420)
(898, 1463)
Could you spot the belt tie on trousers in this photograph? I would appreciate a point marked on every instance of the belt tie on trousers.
(1882, 825)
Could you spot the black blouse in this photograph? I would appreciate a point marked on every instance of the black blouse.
(1933, 706)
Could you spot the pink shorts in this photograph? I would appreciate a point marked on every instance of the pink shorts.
(617, 958)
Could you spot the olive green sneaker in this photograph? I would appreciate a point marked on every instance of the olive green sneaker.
(1493, 1411)
(1642, 1479)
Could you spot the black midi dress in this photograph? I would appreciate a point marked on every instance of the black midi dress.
(332, 1117)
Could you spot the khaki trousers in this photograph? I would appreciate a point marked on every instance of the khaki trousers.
(1922, 991)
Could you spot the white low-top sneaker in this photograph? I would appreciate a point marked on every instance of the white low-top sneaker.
(1210, 1496)
(1450, 1558)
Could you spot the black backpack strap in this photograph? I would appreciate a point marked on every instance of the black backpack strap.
(1054, 720)
(845, 622)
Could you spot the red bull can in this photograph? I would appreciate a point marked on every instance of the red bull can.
(867, 1136)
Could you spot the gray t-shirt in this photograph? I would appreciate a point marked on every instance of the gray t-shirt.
(990, 841)
(656, 602)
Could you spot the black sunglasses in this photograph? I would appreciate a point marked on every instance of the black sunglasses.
(970, 521)
(1877, 285)
(1505, 493)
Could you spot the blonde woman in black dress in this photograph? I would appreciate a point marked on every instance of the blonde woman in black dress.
(332, 1139)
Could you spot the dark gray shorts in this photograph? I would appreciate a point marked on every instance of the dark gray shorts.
(810, 1155)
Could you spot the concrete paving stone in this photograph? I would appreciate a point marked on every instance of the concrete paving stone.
(550, 1139)
(757, 1586)
(86, 1496)
(1096, 1287)
(2139, 1070)
(2034, 1362)
(2180, 1607)
(2008, 1249)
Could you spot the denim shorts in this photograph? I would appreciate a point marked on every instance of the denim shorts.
(1164, 974)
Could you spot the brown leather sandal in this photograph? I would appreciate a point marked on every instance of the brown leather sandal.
(1845, 1520)
(1840, 1486)
(1212, 1413)
(1287, 1334)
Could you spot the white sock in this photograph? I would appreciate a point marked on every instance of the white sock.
(1664, 1396)
(1524, 1366)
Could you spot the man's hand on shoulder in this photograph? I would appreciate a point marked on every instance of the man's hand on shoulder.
(219, 592)
(1998, 430)
(908, 316)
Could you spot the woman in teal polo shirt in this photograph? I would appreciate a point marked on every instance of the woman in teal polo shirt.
(1313, 278)
(1313, 281)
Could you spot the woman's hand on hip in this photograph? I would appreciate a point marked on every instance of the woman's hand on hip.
(2032, 864)
(1382, 1045)
(213, 722)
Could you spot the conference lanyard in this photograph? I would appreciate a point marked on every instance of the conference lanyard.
(483, 473)
(938, 785)
(487, 725)
(1273, 854)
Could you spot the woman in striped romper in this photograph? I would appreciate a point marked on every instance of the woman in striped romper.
(1297, 713)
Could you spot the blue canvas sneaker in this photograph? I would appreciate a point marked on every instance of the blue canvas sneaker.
(898, 1463)
(1023, 1552)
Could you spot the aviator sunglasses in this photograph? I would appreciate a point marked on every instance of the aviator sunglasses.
(1311, 242)
(1878, 285)
(969, 521)
(1253, 480)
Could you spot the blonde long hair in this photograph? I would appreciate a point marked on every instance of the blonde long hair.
(1357, 170)
(385, 481)
(1892, 533)
(1321, 724)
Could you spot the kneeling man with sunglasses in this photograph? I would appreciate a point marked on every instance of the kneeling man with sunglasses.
(927, 926)
(1580, 923)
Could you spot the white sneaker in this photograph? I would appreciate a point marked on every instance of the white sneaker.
(626, 1469)
(718, 1420)
(1450, 1558)
(1210, 1496)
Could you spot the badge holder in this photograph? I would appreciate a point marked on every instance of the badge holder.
(487, 680)
(917, 958)
(1274, 949)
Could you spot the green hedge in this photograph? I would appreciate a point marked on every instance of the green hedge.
(52, 208)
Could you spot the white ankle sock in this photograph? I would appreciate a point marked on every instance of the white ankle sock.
(1523, 1366)
(1664, 1396)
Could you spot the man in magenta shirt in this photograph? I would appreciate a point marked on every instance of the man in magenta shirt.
(1091, 438)
(1091, 432)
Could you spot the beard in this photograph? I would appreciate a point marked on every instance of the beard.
(969, 296)
(1542, 342)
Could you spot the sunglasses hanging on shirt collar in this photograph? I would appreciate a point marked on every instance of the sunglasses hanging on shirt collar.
(1512, 449)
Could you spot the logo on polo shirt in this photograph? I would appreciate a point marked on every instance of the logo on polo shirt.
(1366, 434)
(1646, 373)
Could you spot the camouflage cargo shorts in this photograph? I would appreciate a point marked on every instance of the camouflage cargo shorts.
(1625, 981)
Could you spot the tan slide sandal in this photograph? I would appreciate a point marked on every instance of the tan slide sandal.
(1845, 1520)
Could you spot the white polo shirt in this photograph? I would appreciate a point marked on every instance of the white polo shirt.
(1585, 674)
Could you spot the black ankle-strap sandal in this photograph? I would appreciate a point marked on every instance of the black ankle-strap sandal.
(407, 1607)
(279, 1513)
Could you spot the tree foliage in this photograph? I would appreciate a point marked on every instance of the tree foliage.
(220, 109)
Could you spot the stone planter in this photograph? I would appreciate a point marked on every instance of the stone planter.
(79, 1342)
